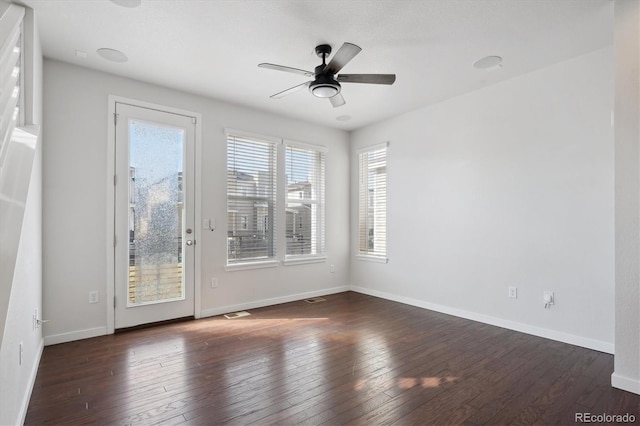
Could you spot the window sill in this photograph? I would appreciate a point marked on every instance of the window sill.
(375, 259)
(251, 265)
(304, 259)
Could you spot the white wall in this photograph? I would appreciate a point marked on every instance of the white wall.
(75, 200)
(18, 376)
(627, 195)
(511, 185)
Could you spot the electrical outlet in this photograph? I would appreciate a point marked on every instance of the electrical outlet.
(36, 323)
(513, 292)
(332, 268)
(214, 282)
(94, 297)
(548, 298)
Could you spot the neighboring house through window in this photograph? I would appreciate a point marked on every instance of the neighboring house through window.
(251, 199)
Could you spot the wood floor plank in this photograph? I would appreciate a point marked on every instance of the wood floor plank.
(353, 359)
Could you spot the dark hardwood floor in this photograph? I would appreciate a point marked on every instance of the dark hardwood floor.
(353, 359)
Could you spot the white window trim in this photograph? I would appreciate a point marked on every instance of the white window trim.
(250, 135)
(251, 265)
(372, 258)
(301, 259)
(360, 255)
(372, 147)
(302, 145)
(312, 257)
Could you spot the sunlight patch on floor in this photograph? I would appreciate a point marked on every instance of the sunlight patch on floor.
(412, 382)
(424, 382)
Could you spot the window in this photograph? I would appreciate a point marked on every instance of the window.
(259, 224)
(304, 210)
(372, 202)
(251, 199)
(10, 75)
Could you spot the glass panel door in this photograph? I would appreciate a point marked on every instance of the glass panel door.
(154, 216)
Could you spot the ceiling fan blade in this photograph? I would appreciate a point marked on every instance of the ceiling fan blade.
(286, 69)
(290, 90)
(367, 78)
(337, 100)
(342, 57)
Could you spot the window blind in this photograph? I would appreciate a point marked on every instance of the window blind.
(305, 171)
(10, 73)
(372, 201)
(251, 199)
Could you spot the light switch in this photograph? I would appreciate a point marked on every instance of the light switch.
(209, 224)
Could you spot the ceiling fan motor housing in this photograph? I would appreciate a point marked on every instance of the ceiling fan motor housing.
(324, 85)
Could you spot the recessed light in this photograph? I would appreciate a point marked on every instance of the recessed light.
(488, 63)
(127, 3)
(343, 118)
(112, 55)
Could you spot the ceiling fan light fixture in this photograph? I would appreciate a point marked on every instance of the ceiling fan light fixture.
(324, 86)
(325, 90)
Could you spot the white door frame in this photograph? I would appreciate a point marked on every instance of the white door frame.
(110, 202)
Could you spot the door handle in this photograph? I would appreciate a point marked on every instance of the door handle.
(191, 242)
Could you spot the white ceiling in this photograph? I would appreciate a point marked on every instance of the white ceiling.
(213, 47)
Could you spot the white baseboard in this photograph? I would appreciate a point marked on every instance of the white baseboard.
(268, 302)
(559, 336)
(74, 335)
(24, 406)
(625, 383)
(102, 331)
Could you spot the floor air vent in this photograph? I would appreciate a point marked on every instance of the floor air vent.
(315, 300)
(237, 314)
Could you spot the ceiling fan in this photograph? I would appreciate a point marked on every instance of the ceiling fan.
(325, 83)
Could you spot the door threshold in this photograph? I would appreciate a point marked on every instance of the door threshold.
(154, 324)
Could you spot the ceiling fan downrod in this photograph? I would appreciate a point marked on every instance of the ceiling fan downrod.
(324, 85)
